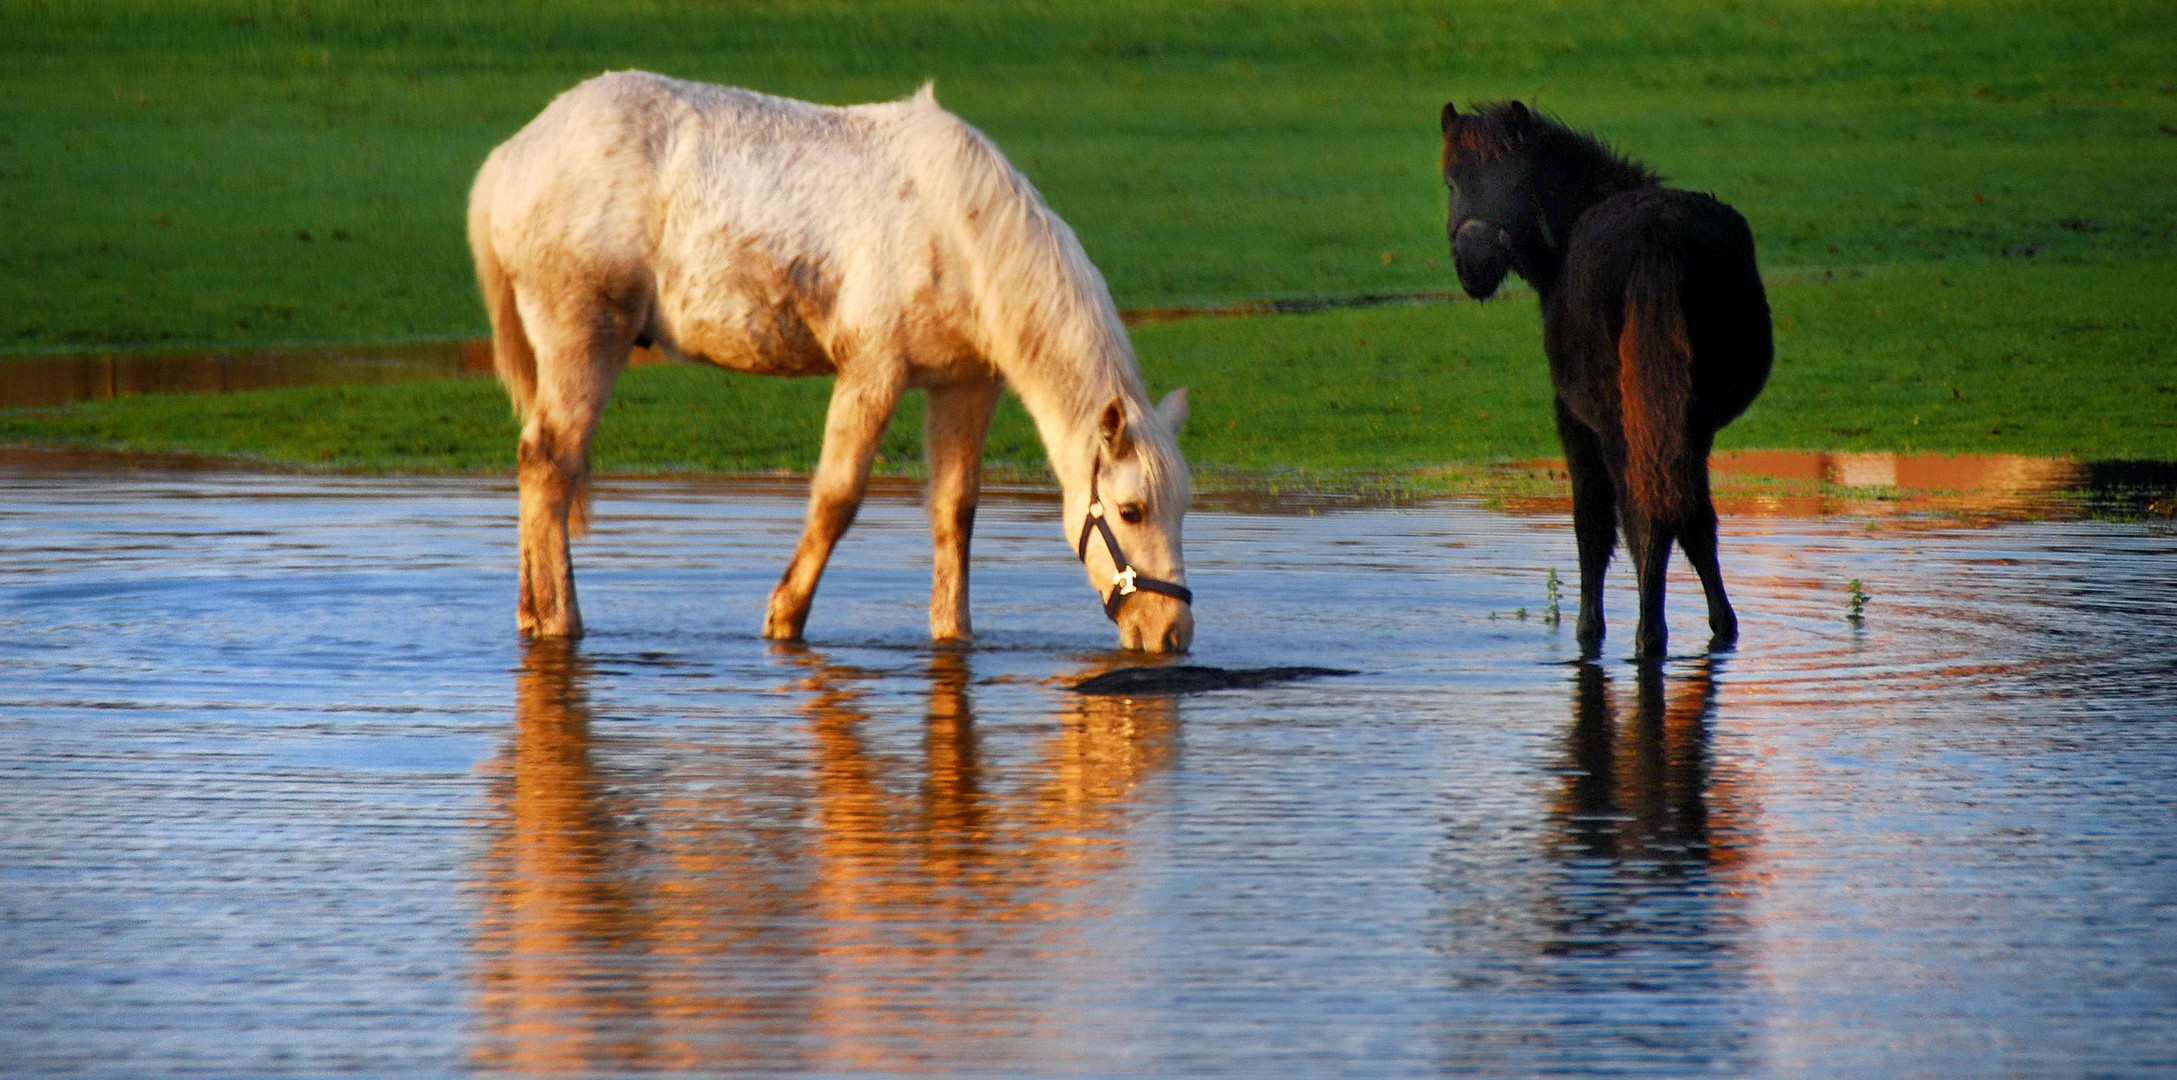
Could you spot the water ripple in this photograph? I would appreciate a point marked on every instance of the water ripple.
(285, 795)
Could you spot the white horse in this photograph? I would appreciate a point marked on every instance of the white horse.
(888, 245)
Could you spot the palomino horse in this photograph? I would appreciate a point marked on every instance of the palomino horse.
(888, 245)
(1656, 326)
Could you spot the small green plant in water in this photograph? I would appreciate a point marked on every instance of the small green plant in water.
(1855, 604)
(1551, 616)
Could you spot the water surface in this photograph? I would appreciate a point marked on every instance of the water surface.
(47, 381)
(285, 795)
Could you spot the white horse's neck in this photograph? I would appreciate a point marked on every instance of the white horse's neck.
(1046, 319)
(1064, 388)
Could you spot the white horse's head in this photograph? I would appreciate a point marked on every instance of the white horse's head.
(1127, 522)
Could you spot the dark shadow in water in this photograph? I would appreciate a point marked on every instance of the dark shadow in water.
(2125, 490)
(1195, 679)
(855, 910)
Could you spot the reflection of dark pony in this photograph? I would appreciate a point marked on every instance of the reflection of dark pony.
(1656, 326)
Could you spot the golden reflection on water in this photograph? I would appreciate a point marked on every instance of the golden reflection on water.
(561, 901)
(1802, 484)
(826, 917)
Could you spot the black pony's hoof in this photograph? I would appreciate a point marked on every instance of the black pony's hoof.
(1724, 635)
(1589, 633)
(1723, 632)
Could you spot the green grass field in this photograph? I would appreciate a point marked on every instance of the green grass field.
(1967, 212)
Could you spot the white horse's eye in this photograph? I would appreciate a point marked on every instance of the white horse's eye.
(1130, 513)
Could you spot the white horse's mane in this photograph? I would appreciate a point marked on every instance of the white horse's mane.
(1055, 304)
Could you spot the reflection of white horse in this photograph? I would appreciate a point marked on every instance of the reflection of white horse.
(889, 245)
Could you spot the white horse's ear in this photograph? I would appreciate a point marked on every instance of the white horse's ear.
(1173, 410)
(1112, 427)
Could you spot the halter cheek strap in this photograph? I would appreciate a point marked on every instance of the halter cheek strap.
(1128, 580)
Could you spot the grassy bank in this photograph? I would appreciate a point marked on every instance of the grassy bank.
(1968, 212)
(234, 171)
(1391, 388)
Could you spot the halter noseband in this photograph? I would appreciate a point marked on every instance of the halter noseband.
(1127, 581)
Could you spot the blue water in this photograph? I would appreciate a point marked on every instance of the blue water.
(284, 795)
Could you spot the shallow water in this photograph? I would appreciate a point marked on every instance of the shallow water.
(28, 382)
(284, 795)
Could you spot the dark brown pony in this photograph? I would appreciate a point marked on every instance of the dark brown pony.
(1656, 325)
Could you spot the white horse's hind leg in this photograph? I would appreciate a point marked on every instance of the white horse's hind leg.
(576, 369)
(952, 437)
(861, 405)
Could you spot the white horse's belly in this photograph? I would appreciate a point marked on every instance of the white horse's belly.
(771, 341)
(754, 313)
(768, 314)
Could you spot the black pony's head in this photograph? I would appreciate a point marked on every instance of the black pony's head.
(1489, 167)
(1519, 181)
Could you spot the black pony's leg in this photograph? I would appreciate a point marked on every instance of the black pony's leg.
(1698, 537)
(1594, 521)
(1649, 541)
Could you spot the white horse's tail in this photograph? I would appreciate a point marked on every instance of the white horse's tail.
(510, 353)
(511, 357)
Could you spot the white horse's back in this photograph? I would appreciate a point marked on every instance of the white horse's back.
(758, 233)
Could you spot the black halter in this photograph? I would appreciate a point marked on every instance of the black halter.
(1127, 581)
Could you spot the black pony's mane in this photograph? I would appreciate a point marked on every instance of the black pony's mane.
(1500, 129)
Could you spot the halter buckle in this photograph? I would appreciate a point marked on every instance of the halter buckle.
(1124, 579)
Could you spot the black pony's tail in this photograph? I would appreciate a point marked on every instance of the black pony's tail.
(1655, 384)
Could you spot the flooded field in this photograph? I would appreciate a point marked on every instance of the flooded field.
(37, 382)
(283, 794)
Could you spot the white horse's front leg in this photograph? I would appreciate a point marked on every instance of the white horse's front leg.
(549, 484)
(861, 406)
(952, 438)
